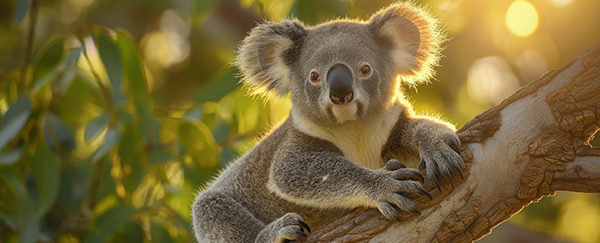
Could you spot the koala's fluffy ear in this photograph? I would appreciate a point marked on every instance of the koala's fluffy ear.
(265, 55)
(414, 37)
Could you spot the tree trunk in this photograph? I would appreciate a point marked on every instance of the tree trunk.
(536, 142)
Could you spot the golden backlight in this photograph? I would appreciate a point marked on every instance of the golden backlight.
(521, 18)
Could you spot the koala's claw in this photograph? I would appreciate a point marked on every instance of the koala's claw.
(418, 177)
(436, 182)
(426, 193)
(400, 172)
(454, 144)
(289, 228)
(441, 157)
(304, 225)
(417, 211)
(394, 164)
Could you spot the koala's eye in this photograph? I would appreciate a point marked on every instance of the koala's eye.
(314, 77)
(365, 70)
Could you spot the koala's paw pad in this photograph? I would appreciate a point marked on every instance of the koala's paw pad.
(291, 227)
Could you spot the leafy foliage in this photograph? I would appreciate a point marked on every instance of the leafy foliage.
(86, 155)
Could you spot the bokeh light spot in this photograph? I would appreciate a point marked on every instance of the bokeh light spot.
(490, 80)
(561, 3)
(580, 220)
(531, 64)
(521, 18)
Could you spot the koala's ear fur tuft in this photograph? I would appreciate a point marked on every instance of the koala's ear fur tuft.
(264, 57)
(414, 37)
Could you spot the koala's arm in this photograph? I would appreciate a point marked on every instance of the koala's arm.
(432, 141)
(313, 172)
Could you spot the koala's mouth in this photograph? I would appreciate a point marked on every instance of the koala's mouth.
(345, 112)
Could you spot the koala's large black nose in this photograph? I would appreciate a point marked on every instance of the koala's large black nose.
(339, 79)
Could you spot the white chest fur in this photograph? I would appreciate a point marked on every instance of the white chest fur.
(360, 141)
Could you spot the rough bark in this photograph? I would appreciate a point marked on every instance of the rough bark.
(536, 142)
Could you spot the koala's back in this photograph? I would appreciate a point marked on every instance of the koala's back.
(243, 185)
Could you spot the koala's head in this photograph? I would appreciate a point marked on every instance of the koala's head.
(344, 69)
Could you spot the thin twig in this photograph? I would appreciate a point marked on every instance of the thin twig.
(29, 47)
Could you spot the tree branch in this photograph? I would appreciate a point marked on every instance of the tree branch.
(536, 142)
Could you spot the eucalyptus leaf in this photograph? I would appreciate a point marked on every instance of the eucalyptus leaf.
(96, 125)
(45, 170)
(221, 84)
(14, 119)
(31, 229)
(198, 142)
(110, 58)
(202, 9)
(20, 11)
(9, 198)
(134, 72)
(47, 66)
(64, 67)
(107, 183)
(160, 155)
(160, 234)
(12, 156)
(133, 232)
(53, 125)
(107, 223)
(111, 139)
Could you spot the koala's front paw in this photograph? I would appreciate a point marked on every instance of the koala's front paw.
(394, 183)
(441, 156)
(289, 228)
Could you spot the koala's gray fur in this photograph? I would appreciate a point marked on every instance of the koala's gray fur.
(331, 152)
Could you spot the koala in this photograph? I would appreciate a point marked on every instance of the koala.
(349, 127)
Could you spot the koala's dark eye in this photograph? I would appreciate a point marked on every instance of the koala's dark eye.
(365, 70)
(314, 77)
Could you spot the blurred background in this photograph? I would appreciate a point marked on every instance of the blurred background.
(115, 113)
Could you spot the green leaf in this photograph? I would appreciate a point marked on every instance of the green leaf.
(45, 170)
(65, 67)
(70, 195)
(223, 82)
(107, 183)
(134, 72)
(198, 142)
(9, 198)
(95, 126)
(12, 156)
(111, 139)
(14, 119)
(64, 134)
(159, 234)
(160, 155)
(193, 114)
(133, 156)
(24, 221)
(47, 67)
(110, 58)
(202, 9)
(228, 155)
(31, 229)
(107, 223)
(20, 11)
(134, 233)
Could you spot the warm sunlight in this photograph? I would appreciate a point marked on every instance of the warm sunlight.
(521, 18)
(561, 3)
